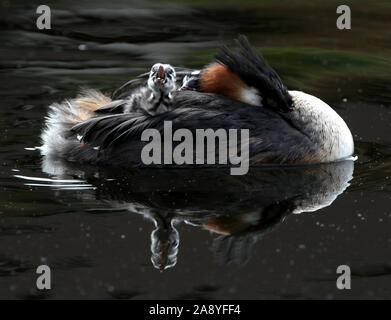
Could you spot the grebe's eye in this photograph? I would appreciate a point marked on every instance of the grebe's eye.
(155, 68)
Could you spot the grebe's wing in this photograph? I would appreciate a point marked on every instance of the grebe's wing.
(141, 80)
(114, 107)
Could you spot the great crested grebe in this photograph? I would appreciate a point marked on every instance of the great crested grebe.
(238, 91)
(154, 98)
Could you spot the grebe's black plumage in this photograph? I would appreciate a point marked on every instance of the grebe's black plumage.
(117, 138)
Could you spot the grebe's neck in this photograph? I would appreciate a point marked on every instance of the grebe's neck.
(323, 126)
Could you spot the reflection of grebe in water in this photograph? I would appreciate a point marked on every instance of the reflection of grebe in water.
(239, 209)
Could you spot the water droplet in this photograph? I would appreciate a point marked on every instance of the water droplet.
(82, 47)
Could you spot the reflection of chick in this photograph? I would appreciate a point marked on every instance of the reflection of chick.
(154, 98)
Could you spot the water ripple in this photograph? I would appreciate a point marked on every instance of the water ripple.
(57, 184)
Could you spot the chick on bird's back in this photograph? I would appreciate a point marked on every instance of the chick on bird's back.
(153, 98)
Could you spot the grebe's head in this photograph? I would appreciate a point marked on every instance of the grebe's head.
(162, 77)
(245, 76)
(191, 81)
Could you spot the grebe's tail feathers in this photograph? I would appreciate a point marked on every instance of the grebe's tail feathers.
(63, 116)
(253, 69)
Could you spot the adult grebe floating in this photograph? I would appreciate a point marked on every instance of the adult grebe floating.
(239, 90)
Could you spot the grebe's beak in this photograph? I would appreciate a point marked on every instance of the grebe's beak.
(160, 75)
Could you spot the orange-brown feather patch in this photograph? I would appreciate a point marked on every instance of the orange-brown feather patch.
(219, 79)
(226, 224)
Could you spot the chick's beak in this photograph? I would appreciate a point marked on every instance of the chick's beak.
(160, 75)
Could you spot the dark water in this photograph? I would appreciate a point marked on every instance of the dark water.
(274, 233)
